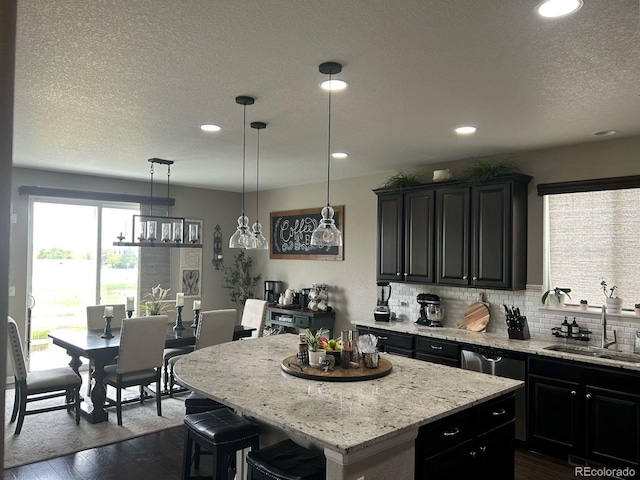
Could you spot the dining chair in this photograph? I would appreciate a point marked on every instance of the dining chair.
(169, 353)
(142, 341)
(214, 327)
(39, 385)
(95, 321)
(254, 315)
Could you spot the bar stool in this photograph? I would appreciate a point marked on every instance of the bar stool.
(196, 403)
(222, 433)
(285, 460)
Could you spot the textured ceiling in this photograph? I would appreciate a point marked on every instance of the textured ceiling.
(101, 86)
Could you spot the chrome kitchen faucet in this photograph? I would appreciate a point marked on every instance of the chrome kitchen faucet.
(603, 320)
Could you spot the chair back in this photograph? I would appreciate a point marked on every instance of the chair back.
(95, 316)
(142, 342)
(15, 346)
(216, 326)
(253, 315)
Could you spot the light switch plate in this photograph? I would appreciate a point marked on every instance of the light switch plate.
(14, 218)
(12, 291)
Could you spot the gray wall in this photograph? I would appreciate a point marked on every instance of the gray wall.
(213, 207)
(354, 278)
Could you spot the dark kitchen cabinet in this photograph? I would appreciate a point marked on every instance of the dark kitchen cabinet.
(476, 443)
(406, 236)
(438, 351)
(481, 234)
(587, 412)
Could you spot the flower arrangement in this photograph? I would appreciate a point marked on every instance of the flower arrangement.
(314, 340)
(608, 291)
(154, 300)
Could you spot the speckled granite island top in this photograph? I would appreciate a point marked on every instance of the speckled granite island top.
(342, 417)
(497, 340)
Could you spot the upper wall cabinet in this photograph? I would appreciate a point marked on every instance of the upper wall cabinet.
(451, 233)
(406, 236)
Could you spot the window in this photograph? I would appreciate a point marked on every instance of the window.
(594, 235)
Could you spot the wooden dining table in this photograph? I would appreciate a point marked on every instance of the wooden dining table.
(90, 344)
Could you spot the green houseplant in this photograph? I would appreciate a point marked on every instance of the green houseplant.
(316, 353)
(614, 304)
(155, 301)
(557, 297)
(238, 279)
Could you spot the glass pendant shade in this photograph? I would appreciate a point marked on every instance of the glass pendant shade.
(242, 236)
(327, 234)
(259, 241)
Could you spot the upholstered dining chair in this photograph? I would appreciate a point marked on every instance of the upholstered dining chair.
(142, 341)
(39, 385)
(254, 315)
(214, 327)
(169, 353)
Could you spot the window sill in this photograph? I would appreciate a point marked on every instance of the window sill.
(592, 312)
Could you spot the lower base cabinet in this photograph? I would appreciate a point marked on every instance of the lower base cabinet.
(587, 413)
(478, 443)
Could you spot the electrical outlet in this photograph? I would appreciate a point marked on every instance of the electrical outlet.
(12, 291)
(403, 304)
(14, 218)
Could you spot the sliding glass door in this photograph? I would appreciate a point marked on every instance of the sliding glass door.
(74, 264)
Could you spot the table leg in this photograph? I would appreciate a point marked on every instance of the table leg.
(75, 363)
(95, 412)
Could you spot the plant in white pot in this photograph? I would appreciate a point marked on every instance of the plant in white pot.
(637, 309)
(584, 305)
(614, 304)
(316, 352)
(556, 296)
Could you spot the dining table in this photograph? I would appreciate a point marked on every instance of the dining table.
(90, 344)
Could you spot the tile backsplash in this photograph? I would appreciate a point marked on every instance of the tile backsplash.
(456, 300)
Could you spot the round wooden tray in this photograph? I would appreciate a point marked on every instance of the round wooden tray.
(338, 374)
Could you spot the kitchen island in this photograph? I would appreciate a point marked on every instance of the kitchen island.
(365, 428)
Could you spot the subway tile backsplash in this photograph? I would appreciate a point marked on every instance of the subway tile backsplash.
(456, 300)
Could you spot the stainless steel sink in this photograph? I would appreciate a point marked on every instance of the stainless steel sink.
(595, 352)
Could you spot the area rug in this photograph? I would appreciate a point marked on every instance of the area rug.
(53, 434)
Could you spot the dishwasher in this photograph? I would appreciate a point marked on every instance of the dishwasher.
(501, 363)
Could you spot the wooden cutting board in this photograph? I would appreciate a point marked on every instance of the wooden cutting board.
(476, 317)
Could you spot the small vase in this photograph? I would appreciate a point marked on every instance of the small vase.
(316, 358)
(614, 305)
(584, 307)
(637, 312)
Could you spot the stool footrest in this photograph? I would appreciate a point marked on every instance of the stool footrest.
(286, 461)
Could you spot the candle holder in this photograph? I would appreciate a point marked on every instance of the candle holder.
(178, 325)
(129, 313)
(107, 328)
(196, 317)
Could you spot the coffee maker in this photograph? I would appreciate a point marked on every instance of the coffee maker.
(431, 311)
(272, 291)
(382, 312)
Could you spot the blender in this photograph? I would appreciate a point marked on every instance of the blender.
(382, 312)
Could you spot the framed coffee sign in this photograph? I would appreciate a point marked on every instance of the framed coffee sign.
(291, 235)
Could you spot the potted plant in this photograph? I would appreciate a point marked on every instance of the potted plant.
(614, 304)
(316, 352)
(154, 301)
(637, 309)
(239, 281)
(584, 305)
(557, 297)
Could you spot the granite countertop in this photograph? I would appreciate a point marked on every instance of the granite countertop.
(501, 341)
(342, 416)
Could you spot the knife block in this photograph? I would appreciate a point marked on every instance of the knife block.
(520, 334)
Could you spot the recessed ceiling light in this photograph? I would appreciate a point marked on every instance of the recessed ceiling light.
(334, 85)
(339, 155)
(210, 128)
(466, 130)
(558, 8)
(605, 133)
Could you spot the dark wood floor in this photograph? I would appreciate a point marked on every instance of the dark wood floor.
(159, 456)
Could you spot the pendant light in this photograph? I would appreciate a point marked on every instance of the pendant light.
(242, 236)
(258, 242)
(327, 234)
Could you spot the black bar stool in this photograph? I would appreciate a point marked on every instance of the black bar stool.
(222, 433)
(285, 461)
(196, 403)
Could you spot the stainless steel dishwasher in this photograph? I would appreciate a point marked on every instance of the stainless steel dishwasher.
(501, 363)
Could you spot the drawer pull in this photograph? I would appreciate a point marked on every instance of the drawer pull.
(451, 433)
(436, 347)
(499, 412)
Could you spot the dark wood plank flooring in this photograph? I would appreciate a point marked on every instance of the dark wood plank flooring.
(159, 456)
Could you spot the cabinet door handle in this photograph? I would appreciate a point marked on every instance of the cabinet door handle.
(588, 396)
(473, 454)
(406, 274)
(451, 433)
(475, 278)
(483, 449)
(436, 347)
(464, 277)
(398, 274)
(500, 411)
(574, 393)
